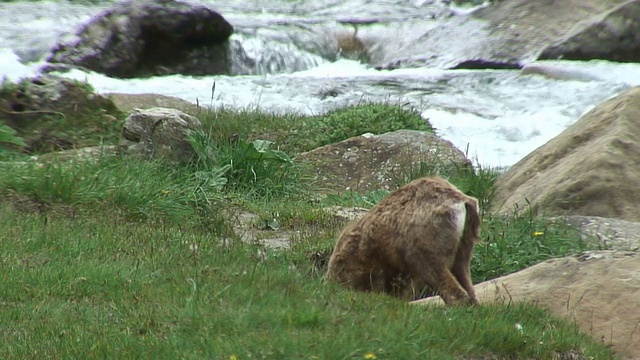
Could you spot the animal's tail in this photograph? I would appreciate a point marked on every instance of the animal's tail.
(472, 222)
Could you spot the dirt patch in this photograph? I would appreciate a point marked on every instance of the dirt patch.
(31, 205)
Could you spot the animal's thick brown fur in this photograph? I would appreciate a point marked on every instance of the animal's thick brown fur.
(417, 239)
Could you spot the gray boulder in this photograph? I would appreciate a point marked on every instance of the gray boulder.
(511, 33)
(147, 38)
(613, 35)
(160, 133)
(371, 162)
(128, 102)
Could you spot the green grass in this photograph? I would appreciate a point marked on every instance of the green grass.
(295, 133)
(131, 259)
(90, 288)
(136, 189)
(519, 241)
(9, 142)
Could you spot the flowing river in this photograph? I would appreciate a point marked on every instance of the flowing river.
(498, 116)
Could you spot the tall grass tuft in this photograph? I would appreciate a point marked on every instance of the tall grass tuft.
(517, 241)
(341, 124)
(295, 133)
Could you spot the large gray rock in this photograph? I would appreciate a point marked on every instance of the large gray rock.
(146, 38)
(592, 168)
(371, 162)
(612, 35)
(600, 291)
(511, 33)
(160, 133)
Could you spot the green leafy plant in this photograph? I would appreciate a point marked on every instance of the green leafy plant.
(259, 171)
(251, 168)
(9, 136)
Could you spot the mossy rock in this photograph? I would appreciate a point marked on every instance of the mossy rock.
(53, 113)
(370, 162)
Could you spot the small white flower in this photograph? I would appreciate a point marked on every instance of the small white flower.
(519, 327)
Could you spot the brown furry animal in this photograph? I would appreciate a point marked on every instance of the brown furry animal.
(418, 239)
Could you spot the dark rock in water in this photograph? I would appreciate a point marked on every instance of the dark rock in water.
(509, 34)
(241, 63)
(147, 38)
(483, 64)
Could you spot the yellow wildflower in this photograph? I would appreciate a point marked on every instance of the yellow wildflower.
(233, 357)
(538, 233)
(370, 356)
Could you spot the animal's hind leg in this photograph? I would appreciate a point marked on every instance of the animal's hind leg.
(461, 271)
(449, 288)
(438, 277)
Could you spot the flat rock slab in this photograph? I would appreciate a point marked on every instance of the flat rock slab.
(612, 234)
(127, 102)
(598, 290)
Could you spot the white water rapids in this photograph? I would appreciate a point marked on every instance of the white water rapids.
(498, 115)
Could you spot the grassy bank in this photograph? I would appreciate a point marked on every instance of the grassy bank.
(125, 259)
